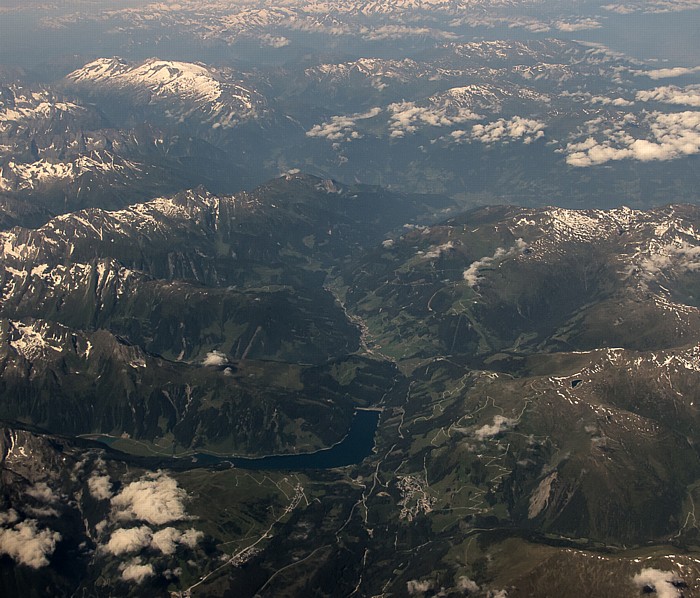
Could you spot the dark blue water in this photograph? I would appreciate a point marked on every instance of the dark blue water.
(353, 449)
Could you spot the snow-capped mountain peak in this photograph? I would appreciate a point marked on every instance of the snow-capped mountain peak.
(190, 90)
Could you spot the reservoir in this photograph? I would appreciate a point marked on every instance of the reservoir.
(356, 446)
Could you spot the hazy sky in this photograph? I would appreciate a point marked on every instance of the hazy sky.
(29, 32)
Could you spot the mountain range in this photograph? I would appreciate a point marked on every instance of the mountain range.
(367, 298)
(535, 369)
(484, 122)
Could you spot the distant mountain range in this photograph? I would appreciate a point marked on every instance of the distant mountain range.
(483, 122)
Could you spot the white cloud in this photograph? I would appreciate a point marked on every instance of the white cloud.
(620, 9)
(342, 128)
(100, 487)
(416, 587)
(500, 423)
(191, 537)
(133, 539)
(41, 511)
(467, 585)
(274, 41)
(601, 51)
(136, 572)
(337, 28)
(670, 136)
(578, 25)
(155, 498)
(215, 358)
(526, 129)
(438, 250)
(668, 73)
(671, 94)
(683, 257)
(471, 274)
(41, 491)
(660, 581)
(403, 31)
(530, 25)
(408, 117)
(28, 545)
(8, 517)
(166, 540)
(606, 101)
(485, 20)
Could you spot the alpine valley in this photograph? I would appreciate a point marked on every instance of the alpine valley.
(349, 299)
